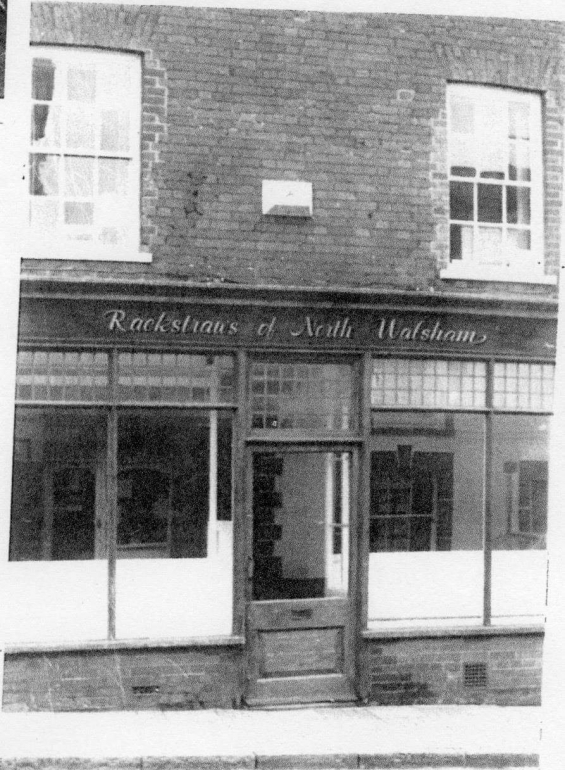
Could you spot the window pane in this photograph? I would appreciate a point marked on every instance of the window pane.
(44, 213)
(57, 493)
(520, 239)
(314, 397)
(426, 518)
(518, 120)
(461, 200)
(462, 144)
(488, 248)
(45, 125)
(114, 131)
(519, 162)
(113, 177)
(80, 127)
(519, 507)
(461, 242)
(79, 213)
(81, 85)
(301, 515)
(43, 79)
(490, 203)
(518, 205)
(175, 378)
(43, 174)
(175, 537)
(57, 534)
(79, 177)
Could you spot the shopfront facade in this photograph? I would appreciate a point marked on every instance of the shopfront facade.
(250, 498)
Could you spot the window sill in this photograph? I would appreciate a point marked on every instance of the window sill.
(123, 644)
(501, 275)
(80, 252)
(424, 632)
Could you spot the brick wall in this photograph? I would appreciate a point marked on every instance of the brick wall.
(354, 104)
(175, 678)
(431, 670)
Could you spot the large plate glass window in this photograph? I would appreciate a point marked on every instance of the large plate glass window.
(520, 483)
(113, 470)
(495, 182)
(438, 426)
(84, 156)
(58, 535)
(426, 492)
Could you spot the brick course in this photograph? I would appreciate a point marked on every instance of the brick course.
(354, 104)
(430, 670)
(176, 678)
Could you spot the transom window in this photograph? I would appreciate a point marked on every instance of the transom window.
(495, 179)
(433, 383)
(300, 396)
(84, 157)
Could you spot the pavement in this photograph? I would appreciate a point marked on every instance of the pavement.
(293, 739)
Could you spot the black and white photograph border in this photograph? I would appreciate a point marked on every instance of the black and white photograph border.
(262, 265)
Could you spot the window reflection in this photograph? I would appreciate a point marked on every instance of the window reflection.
(58, 500)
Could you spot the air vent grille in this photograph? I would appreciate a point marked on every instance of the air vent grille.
(475, 675)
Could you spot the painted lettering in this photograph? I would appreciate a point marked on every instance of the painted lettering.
(340, 329)
(395, 329)
(267, 329)
(116, 317)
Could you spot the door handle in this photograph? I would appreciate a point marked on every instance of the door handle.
(304, 613)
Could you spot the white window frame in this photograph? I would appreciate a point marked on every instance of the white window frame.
(505, 265)
(56, 244)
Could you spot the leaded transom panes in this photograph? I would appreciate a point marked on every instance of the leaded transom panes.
(432, 383)
(62, 376)
(317, 397)
(523, 387)
(175, 378)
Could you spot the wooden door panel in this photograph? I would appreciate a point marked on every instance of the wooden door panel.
(298, 653)
(298, 613)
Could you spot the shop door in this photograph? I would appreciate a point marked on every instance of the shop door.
(299, 621)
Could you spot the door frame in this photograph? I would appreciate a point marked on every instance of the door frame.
(352, 662)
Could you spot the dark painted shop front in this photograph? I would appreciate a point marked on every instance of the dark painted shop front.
(232, 498)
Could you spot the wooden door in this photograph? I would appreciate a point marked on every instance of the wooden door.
(299, 620)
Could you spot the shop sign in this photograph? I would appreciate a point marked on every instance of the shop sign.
(387, 329)
(255, 326)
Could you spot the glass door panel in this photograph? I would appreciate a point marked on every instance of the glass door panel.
(301, 514)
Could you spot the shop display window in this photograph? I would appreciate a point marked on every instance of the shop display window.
(58, 485)
(426, 517)
(519, 526)
(133, 502)
(431, 472)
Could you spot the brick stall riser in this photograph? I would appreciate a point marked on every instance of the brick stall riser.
(123, 679)
(427, 670)
(353, 103)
